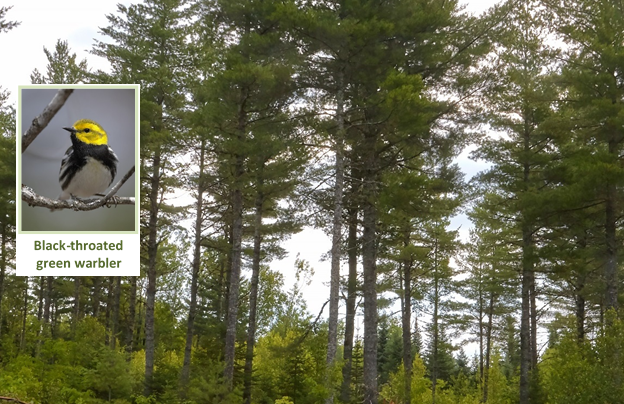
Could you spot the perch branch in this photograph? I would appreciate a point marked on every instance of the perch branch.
(40, 122)
(32, 199)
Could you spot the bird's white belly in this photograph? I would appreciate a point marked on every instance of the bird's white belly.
(92, 179)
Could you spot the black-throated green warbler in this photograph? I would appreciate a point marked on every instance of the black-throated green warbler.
(89, 165)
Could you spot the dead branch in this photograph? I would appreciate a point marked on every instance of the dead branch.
(40, 122)
(33, 199)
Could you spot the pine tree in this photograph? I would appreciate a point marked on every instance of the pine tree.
(153, 35)
(519, 104)
(62, 67)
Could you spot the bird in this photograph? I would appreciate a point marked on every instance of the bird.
(90, 164)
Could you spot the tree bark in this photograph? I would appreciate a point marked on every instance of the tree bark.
(41, 299)
(369, 261)
(3, 255)
(2, 269)
(237, 237)
(488, 346)
(481, 337)
(97, 282)
(334, 285)
(434, 323)
(525, 326)
(115, 317)
(48, 301)
(24, 317)
(109, 310)
(406, 318)
(533, 294)
(253, 293)
(131, 315)
(76, 311)
(350, 309)
(190, 323)
(611, 264)
(152, 252)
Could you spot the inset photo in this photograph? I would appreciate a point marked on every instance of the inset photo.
(77, 158)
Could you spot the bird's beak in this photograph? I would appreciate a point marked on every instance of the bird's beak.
(72, 130)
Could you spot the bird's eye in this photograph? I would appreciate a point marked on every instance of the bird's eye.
(87, 130)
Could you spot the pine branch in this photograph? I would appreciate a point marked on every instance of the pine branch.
(32, 199)
(40, 122)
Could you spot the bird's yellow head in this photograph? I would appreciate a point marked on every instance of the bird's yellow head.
(89, 132)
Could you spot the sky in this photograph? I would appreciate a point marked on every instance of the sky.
(78, 22)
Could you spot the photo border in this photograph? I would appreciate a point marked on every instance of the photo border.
(137, 157)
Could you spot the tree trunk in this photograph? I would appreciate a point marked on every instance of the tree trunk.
(237, 237)
(525, 326)
(152, 252)
(24, 317)
(434, 322)
(131, 315)
(115, 317)
(488, 347)
(369, 261)
(481, 337)
(41, 298)
(40, 329)
(580, 312)
(2, 270)
(406, 319)
(352, 253)
(76, 311)
(190, 323)
(48, 302)
(97, 282)
(253, 293)
(334, 285)
(109, 309)
(528, 278)
(611, 264)
(534, 368)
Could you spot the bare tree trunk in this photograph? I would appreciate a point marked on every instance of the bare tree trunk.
(95, 303)
(611, 265)
(527, 279)
(131, 315)
(350, 309)
(54, 317)
(525, 326)
(334, 284)
(115, 317)
(534, 369)
(488, 347)
(481, 342)
(580, 310)
(237, 237)
(369, 261)
(434, 322)
(3, 266)
(76, 311)
(253, 293)
(48, 301)
(406, 318)
(40, 329)
(41, 298)
(190, 323)
(24, 317)
(109, 307)
(152, 252)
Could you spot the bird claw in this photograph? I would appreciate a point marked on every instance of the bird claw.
(114, 199)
